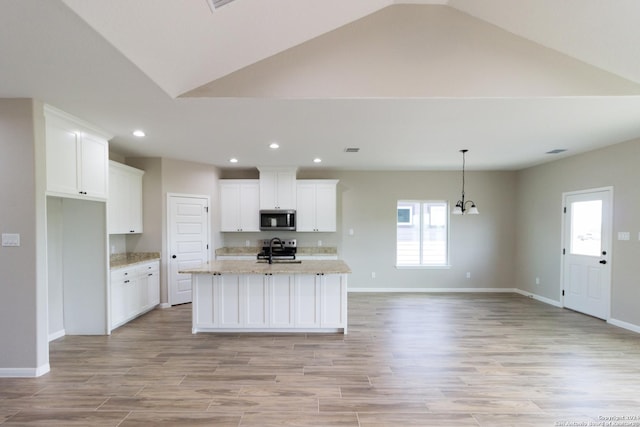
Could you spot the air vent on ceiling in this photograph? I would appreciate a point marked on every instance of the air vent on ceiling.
(215, 4)
(557, 151)
(351, 150)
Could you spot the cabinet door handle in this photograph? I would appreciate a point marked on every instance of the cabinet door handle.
(174, 256)
(126, 281)
(150, 274)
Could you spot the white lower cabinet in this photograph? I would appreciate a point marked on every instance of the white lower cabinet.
(333, 303)
(134, 291)
(281, 294)
(229, 289)
(307, 301)
(271, 302)
(256, 301)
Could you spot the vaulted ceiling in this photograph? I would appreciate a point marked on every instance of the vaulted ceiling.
(408, 82)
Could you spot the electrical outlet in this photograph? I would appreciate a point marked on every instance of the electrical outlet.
(319, 242)
(624, 235)
(468, 275)
(351, 232)
(373, 274)
(537, 280)
(247, 243)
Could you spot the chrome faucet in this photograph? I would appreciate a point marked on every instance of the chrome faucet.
(271, 247)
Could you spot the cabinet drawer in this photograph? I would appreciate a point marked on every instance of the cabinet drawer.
(122, 274)
(148, 268)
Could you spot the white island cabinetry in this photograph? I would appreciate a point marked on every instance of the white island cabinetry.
(283, 298)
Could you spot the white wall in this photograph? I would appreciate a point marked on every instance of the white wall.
(539, 204)
(55, 292)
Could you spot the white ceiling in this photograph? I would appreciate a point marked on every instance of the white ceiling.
(408, 82)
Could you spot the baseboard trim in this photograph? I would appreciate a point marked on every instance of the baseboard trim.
(624, 325)
(24, 372)
(56, 335)
(165, 305)
(433, 290)
(539, 298)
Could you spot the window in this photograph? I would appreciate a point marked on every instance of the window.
(405, 215)
(422, 233)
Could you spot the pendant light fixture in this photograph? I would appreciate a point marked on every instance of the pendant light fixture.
(461, 206)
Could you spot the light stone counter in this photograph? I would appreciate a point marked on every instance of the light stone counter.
(130, 258)
(254, 267)
(301, 251)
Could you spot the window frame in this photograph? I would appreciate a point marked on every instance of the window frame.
(421, 225)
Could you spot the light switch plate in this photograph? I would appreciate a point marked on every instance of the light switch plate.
(10, 239)
(624, 235)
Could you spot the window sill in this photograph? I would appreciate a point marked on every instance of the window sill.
(423, 267)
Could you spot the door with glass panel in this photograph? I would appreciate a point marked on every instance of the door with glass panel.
(587, 252)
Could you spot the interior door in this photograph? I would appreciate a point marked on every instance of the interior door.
(587, 252)
(188, 223)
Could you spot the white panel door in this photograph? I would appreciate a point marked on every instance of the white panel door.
(188, 223)
(587, 252)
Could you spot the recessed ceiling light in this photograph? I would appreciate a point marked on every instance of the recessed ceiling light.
(317, 160)
(233, 160)
(139, 133)
(274, 145)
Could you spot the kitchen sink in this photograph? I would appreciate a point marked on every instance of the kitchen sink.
(280, 261)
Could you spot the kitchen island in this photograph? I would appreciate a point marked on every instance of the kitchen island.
(252, 296)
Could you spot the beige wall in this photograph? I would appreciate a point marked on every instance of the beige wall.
(23, 296)
(539, 204)
(482, 245)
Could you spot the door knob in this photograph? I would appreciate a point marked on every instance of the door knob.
(603, 261)
(173, 256)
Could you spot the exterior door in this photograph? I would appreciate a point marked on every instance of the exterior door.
(587, 252)
(188, 224)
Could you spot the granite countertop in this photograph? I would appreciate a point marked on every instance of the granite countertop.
(252, 251)
(130, 258)
(254, 267)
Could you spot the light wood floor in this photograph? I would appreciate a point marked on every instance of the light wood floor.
(409, 359)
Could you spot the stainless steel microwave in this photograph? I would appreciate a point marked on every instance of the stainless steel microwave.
(280, 219)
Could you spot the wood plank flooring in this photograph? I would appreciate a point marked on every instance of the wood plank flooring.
(409, 359)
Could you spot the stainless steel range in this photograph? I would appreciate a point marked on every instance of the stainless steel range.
(278, 249)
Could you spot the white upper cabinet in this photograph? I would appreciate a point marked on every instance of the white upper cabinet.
(277, 188)
(316, 205)
(77, 157)
(239, 205)
(125, 199)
